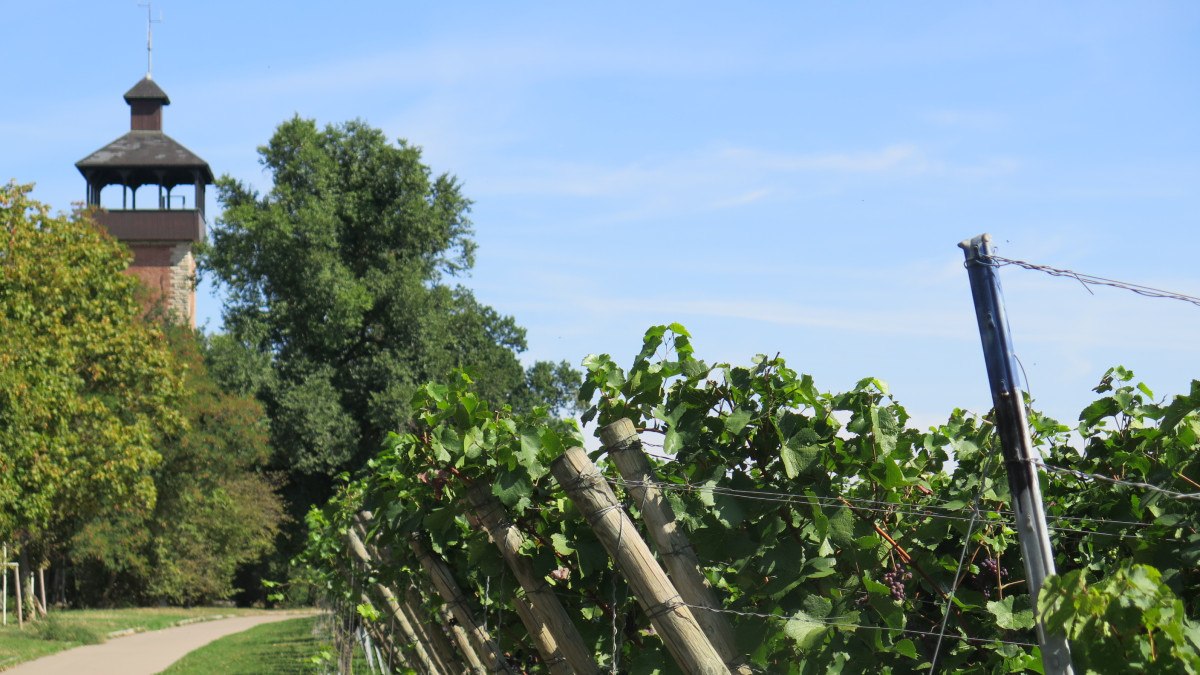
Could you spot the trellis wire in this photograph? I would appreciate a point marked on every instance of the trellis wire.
(1091, 280)
(961, 559)
(1083, 475)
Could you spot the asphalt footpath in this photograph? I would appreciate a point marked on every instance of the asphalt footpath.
(144, 653)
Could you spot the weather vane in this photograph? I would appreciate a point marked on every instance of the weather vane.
(150, 21)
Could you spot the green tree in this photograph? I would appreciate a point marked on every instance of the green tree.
(338, 302)
(87, 388)
(216, 509)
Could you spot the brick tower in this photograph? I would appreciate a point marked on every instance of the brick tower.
(161, 236)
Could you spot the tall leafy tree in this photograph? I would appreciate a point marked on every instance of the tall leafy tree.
(340, 302)
(216, 509)
(87, 387)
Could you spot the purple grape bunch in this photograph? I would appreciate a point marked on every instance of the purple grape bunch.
(988, 569)
(989, 572)
(895, 580)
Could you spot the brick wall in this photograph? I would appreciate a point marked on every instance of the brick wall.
(168, 269)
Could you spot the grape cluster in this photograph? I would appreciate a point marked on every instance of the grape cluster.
(989, 566)
(989, 571)
(894, 580)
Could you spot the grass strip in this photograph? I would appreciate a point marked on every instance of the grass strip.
(280, 648)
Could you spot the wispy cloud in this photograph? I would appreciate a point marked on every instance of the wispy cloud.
(901, 157)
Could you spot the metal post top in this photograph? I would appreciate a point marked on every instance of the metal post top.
(979, 246)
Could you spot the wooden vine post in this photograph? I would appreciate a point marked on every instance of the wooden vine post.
(624, 448)
(384, 639)
(669, 614)
(549, 612)
(430, 635)
(413, 629)
(423, 658)
(547, 648)
(441, 646)
(474, 663)
(447, 587)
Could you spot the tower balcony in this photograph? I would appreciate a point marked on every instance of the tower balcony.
(177, 225)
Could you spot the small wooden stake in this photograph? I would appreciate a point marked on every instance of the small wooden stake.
(624, 448)
(42, 587)
(549, 611)
(669, 614)
(439, 573)
(20, 602)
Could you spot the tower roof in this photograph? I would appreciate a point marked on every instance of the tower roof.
(144, 157)
(147, 89)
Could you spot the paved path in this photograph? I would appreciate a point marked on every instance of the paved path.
(143, 653)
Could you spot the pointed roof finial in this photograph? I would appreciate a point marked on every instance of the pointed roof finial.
(150, 21)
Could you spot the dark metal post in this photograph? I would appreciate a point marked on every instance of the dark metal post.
(1013, 426)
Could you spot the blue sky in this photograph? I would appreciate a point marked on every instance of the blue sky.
(779, 177)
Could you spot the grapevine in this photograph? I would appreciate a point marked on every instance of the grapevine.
(827, 526)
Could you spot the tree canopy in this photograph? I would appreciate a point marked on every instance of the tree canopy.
(215, 509)
(87, 387)
(339, 297)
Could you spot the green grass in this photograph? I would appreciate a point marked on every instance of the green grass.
(71, 628)
(280, 648)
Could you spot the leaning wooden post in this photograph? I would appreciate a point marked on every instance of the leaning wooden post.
(624, 448)
(424, 661)
(669, 614)
(415, 628)
(439, 652)
(388, 643)
(463, 640)
(42, 587)
(441, 646)
(448, 588)
(543, 640)
(494, 518)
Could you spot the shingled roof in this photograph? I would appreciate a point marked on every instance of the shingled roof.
(146, 88)
(144, 157)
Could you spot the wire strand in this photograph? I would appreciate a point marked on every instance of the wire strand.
(837, 622)
(1089, 280)
(1083, 475)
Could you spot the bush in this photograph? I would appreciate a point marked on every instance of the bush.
(56, 630)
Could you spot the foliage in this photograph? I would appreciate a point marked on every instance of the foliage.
(53, 628)
(336, 277)
(87, 388)
(831, 529)
(1130, 621)
(215, 510)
